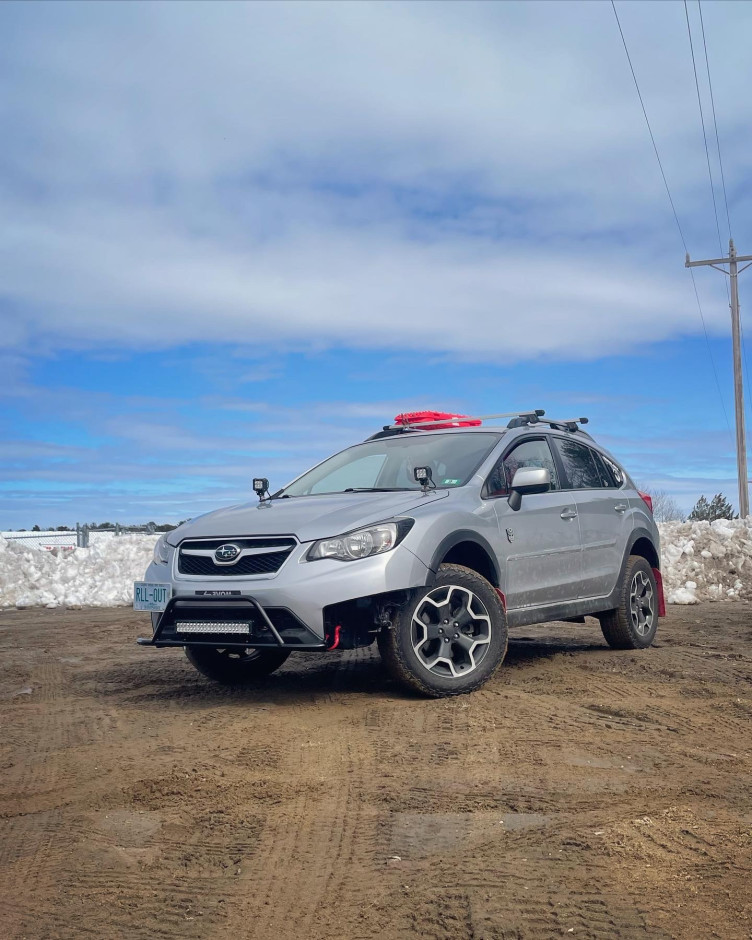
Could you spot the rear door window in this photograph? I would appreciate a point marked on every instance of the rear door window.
(606, 478)
(580, 467)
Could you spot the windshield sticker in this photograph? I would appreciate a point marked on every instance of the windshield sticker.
(450, 482)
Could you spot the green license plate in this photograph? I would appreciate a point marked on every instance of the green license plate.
(150, 595)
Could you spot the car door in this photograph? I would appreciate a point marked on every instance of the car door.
(542, 538)
(604, 517)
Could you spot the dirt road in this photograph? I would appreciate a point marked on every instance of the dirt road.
(582, 793)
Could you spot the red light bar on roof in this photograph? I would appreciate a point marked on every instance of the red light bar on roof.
(435, 420)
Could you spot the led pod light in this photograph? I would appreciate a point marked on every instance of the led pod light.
(362, 543)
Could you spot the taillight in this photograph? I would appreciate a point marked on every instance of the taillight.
(648, 500)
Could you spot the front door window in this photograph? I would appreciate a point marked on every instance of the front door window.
(527, 454)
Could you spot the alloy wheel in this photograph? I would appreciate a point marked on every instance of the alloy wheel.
(642, 603)
(451, 631)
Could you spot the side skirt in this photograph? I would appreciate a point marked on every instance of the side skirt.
(523, 616)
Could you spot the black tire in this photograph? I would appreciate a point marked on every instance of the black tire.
(235, 666)
(633, 624)
(460, 593)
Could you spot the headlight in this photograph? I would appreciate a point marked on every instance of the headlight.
(373, 540)
(161, 550)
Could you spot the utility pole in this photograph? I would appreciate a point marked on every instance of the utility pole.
(741, 442)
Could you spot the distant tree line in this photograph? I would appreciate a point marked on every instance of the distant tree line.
(157, 527)
(718, 508)
(666, 508)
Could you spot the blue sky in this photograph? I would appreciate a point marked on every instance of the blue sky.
(237, 237)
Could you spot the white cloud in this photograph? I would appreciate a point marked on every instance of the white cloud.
(106, 284)
(472, 178)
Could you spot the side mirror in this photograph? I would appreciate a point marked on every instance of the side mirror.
(528, 480)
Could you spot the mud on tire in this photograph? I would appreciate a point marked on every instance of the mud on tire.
(633, 624)
(450, 637)
(235, 666)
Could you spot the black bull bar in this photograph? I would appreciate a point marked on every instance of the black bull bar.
(230, 621)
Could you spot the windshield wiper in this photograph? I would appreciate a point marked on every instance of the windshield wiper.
(350, 489)
(376, 489)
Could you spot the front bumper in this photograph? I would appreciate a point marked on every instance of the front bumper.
(299, 591)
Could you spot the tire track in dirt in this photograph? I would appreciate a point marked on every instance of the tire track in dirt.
(320, 839)
(524, 883)
(34, 843)
(181, 881)
(160, 806)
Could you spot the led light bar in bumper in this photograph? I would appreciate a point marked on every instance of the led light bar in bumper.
(208, 626)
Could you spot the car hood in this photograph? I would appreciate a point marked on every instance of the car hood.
(307, 517)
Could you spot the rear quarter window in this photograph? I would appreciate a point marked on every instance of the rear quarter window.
(615, 473)
(580, 466)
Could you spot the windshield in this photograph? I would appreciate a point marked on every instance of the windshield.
(388, 464)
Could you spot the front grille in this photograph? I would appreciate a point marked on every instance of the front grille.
(265, 562)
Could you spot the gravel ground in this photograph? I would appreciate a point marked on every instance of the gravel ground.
(583, 792)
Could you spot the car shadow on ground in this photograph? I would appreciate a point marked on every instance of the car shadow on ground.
(526, 651)
(165, 677)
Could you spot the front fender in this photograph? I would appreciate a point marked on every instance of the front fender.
(455, 538)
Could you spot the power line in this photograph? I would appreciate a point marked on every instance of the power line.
(650, 130)
(715, 122)
(732, 288)
(673, 209)
(704, 133)
(723, 186)
(723, 179)
(733, 261)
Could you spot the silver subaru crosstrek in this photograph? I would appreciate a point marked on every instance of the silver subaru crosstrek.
(432, 537)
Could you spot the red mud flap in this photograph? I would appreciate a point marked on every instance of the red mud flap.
(661, 599)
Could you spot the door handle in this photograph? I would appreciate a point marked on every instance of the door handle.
(569, 514)
(621, 507)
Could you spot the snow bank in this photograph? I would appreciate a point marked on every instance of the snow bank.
(701, 561)
(99, 576)
(707, 561)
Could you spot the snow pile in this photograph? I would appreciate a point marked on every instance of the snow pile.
(707, 561)
(99, 576)
(701, 561)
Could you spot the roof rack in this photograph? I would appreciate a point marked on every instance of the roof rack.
(519, 419)
(565, 424)
(558, 424)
